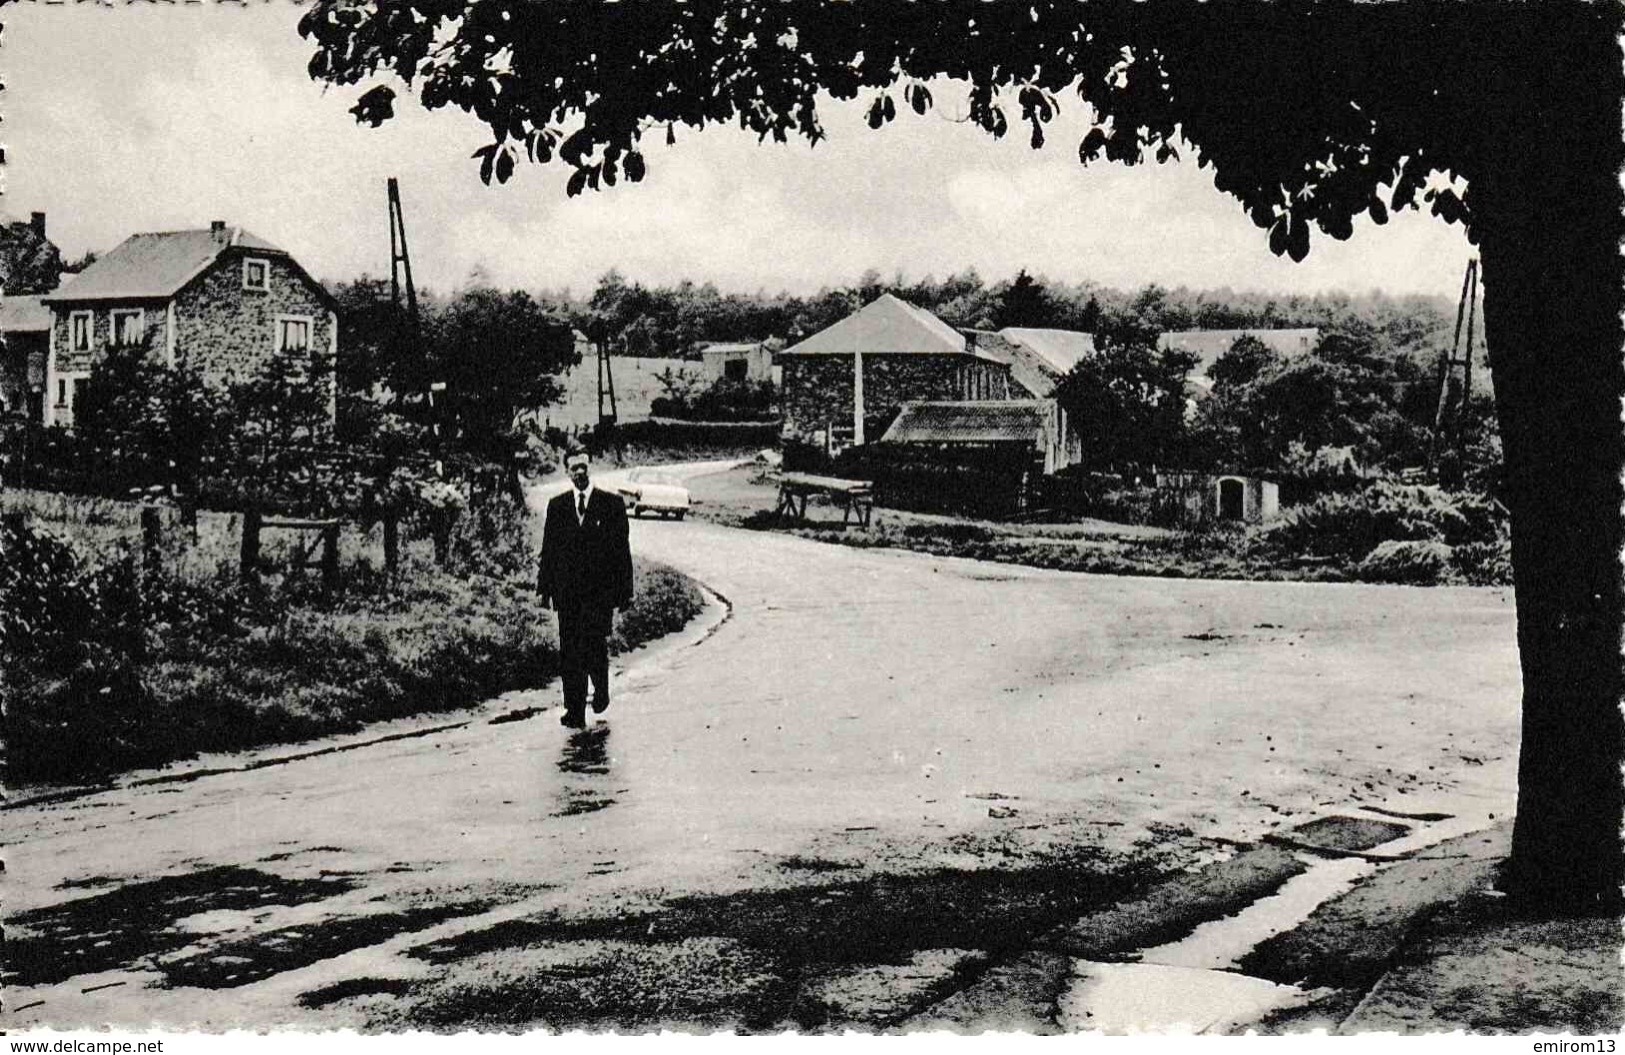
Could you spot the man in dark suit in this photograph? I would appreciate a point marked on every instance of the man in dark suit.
(586, 573)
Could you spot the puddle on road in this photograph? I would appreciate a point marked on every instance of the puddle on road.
(1191, 985)
(1122, 998)
(1221, 943)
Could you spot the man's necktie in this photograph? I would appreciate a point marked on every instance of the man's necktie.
(581, 508)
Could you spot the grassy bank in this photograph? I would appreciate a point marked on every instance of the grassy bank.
(1312, 545)
(115, 666)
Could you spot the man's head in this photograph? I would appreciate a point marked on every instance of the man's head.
(577, 462)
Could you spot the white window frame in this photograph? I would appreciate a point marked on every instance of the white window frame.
(265, 265)
(112, 325)
(310, 333)
(90, 331)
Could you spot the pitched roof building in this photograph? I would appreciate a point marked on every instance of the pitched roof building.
(220, 300)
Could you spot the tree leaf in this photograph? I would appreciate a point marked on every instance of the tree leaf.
(375, 107)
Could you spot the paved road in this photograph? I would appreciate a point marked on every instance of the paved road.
(879, 711)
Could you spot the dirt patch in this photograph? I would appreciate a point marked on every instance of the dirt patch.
(229, 964)
(1175, 908)
(1349, 942)
(351, 988)
(725, 985)
(1343, 834)
(884, 919)
(138, 921)
(839, 939)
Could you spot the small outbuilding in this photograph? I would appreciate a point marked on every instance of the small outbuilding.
(738, 362)
(1225, 497)
(1036, 426)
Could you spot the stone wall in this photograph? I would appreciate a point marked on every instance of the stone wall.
(228, 332)
(69, 361)
(817, 389)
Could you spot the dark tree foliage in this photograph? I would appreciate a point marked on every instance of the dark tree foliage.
(499, 354)
(1241, 363)
(148, 424)
(1025, 302)
(1309, 114)
(1128, 403)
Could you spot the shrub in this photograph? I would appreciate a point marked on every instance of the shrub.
(495, 538)
(1416, 562)
(1350, 526)
(1483, 563)
(950, 532)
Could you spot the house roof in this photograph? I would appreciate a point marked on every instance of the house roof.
(981, 421)
(1059, 350)
(24, 315)
(888, 326)
(155, 265)
(734, 348)
(1208, 345)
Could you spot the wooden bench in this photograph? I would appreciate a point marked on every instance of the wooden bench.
(855, 496)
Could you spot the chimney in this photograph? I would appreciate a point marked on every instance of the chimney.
(217, 228)
(37, 222)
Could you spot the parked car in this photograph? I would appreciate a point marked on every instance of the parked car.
(650, 490)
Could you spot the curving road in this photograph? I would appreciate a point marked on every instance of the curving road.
(883, 710)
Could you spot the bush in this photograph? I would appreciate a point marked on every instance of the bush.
(1417, 563)
(495, 538)
(1350, 526)
(1483, 563)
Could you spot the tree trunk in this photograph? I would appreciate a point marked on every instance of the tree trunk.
(1547, 211)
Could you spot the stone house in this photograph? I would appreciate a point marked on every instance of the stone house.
(25, 327)
(220, 300)
(29, 262)
(847, 382)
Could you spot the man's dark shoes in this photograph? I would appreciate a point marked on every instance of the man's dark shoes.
(600, 704)
(572, 720)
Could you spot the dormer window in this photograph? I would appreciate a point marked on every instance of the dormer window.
(257, 274)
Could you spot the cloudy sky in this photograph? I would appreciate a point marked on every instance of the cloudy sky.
(153, 117)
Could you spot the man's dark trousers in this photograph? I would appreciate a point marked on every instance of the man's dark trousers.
(583, 655)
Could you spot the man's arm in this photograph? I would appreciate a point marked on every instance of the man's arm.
(621, 553)
(547, 565)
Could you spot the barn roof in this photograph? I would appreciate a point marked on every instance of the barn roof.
(1208, 345)
(887, 326)
(23, 315)
(1060, 350)
(155, 265)
(981, 421)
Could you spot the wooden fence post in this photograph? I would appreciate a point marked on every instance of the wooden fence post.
(250, 563)
(11, 523)
(392, 543)
(330, 558)
(151, 538)
(440, 528)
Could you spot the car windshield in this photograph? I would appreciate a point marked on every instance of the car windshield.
(664, 479)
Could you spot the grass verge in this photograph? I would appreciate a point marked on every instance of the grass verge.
(112, 666)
